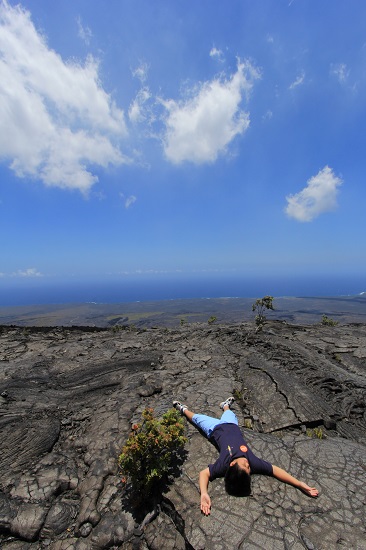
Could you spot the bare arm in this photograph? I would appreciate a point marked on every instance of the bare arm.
(205, 498)
(284, 476)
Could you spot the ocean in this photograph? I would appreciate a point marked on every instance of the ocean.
(142, 289)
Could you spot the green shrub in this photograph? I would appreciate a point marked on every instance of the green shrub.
(117, 328)
(151, 451)
(318, 432)
(315, 432)
(238, 394)
(212, 319)
(260, 306)
(328, 321)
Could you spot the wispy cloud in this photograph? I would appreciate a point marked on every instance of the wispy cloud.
(128, 201)
(173, 271)
(319, 195)
(141, 72)
(30, 273)
(267, 115)
(55, 117)
(137, 111)
(298, 81)
(340, 71)
(202, 126)
(84, 32)
(218, 54)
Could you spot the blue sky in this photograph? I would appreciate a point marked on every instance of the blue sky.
(153, 137)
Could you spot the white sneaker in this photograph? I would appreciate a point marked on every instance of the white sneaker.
(229, 401)
(179, 406)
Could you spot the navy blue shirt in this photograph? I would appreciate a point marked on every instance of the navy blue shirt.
(231, 444)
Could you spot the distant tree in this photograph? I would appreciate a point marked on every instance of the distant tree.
(260, 306)
(212, 319)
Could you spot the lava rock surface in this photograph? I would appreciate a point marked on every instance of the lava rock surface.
(68, 399)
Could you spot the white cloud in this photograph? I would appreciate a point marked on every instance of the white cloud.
(340, 71)
(217, 53)
(141, 72)
(201, 127)
(320, 195)
(84, 32)
(55, 118)
(30, 272)
(137, 112)
(130, 200)
(299, 80)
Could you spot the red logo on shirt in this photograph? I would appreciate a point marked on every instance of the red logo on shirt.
(244, 448)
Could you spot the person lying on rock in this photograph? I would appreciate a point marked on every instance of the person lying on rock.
(236, 461)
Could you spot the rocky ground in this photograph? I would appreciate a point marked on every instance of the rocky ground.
(69, 397)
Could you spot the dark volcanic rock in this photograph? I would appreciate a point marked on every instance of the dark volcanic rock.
(68, 398)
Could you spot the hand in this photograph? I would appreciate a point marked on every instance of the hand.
(205, 504)
(310, 491)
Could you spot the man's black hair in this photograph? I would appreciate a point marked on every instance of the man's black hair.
(237, 481)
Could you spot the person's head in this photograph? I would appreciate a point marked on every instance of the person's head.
(237, 478)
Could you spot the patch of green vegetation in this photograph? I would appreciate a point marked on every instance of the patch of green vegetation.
(212, 319)
(328, 321)
(135, 316)
(315, 432)
(199, 316)
(238, 394)
(260, 306)
(118, 328)
(151, 452)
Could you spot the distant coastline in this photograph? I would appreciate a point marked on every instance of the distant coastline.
(45, 291)
(175, 313)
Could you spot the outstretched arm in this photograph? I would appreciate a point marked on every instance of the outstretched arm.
(205, 498)
(284, 476)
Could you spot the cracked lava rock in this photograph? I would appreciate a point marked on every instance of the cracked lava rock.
(68, 399)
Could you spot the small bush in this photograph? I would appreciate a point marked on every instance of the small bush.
(260, 306)
(328, 321)
(118, 328)
(238, 394)
(315, 432)
(151, 451)
(212, 319)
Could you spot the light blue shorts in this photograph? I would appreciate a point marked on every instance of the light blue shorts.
(207, 423)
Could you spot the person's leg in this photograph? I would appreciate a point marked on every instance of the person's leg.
(188, 414)
(205, 423)
(228, 417)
